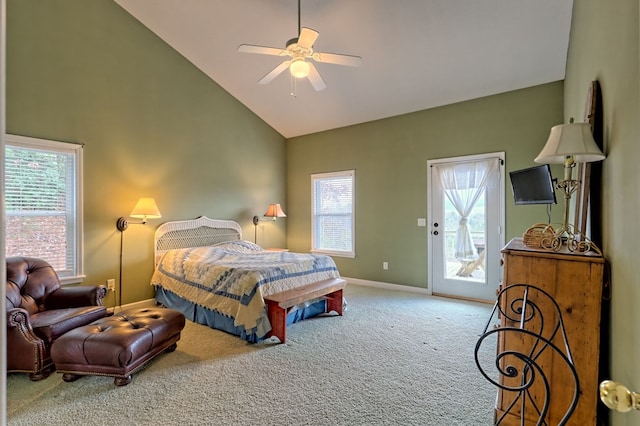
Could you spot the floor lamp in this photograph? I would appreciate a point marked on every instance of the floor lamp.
(569, 144)
(144, 209)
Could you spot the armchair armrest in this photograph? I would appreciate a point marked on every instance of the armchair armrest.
(18, 317)
(25, 351)
(72, 297)
(19, 327)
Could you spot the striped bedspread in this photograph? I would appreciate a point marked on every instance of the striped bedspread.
(232, 278)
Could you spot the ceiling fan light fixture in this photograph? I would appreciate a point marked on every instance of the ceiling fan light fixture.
(299, 68)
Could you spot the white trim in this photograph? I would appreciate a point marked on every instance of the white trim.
(3, 268)
(501, 156)
(335, 253)
(74, 149)
(464, 158)
(44, 144)
(388, 286)
(147, 303)
(338, 253)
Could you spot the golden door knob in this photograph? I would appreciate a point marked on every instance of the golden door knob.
(617, 397)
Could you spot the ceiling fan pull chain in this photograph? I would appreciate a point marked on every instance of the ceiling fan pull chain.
(294, 86)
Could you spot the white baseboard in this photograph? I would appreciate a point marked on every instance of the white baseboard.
(141, 304)
(387, 286)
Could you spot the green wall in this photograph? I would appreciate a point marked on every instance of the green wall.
(152, 124)
(604, 46)
(390, 158)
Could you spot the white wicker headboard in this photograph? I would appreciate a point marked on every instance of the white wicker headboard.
(194, 233)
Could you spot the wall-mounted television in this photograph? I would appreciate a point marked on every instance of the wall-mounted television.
(533, 185)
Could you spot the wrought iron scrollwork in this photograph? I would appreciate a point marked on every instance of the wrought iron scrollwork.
(526, 342)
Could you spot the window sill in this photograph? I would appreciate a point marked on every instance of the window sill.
(77, 279)
(335, 253)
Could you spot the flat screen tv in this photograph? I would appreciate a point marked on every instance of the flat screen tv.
(533, 185)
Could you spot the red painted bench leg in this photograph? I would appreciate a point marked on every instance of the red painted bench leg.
(334, 302)
(278, 318)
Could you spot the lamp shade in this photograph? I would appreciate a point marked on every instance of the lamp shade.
(146, 208)
(566, 140)
(275, 210)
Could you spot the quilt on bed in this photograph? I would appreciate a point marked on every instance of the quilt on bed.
(233, 277)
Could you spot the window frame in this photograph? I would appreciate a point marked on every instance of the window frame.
(323, 176)
(76, 275)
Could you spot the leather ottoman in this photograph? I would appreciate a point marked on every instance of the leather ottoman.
(119, 345)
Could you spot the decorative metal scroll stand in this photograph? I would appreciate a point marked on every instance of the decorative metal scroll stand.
(544, 236)
(521, 369)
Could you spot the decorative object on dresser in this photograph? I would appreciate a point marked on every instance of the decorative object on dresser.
(575, 281)
(207, 271)
(274, 211)
(569, 144)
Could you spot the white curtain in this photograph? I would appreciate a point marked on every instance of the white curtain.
(463, 184)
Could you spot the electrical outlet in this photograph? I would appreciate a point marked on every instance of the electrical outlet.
(111, 284)
(385, 265)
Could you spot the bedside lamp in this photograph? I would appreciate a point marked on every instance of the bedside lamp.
(274, 211)
(569, 144)
(144, 209)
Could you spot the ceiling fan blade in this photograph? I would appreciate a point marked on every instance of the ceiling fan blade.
(262, 50)
(335, 58)
(274, 73)
(307, 37)
(315, 79)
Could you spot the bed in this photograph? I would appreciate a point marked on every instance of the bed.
(204, 269)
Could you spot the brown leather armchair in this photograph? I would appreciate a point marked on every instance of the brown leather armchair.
(39, 310)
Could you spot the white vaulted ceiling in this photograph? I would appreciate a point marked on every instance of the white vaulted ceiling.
(416, 54)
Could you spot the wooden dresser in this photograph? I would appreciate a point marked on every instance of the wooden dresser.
(575, 281)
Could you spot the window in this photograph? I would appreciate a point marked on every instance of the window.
(43, 191)
(333, 213)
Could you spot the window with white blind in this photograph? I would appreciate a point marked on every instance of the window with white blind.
(43, 197)
(333, 224)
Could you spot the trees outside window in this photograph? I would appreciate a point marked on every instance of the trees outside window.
(43, 196)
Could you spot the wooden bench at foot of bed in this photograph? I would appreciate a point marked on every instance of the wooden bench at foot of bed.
(280, 304)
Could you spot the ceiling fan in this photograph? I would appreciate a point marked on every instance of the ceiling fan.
(300, 51)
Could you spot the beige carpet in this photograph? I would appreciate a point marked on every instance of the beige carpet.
(394, 358)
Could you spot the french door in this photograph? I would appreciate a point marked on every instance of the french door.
(466, 220)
